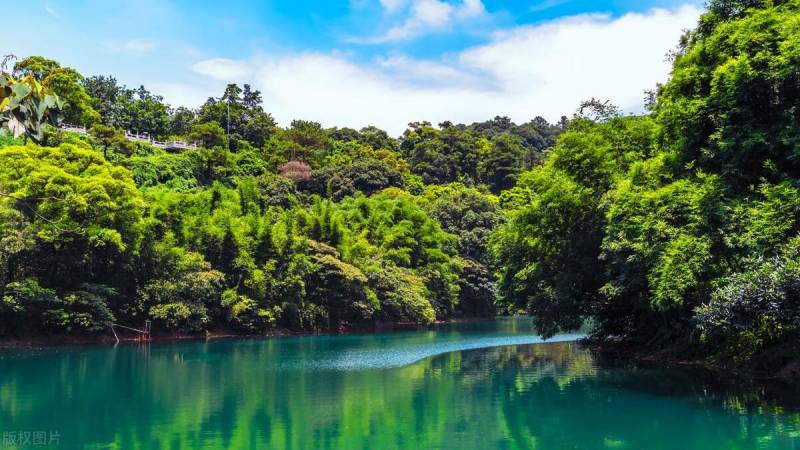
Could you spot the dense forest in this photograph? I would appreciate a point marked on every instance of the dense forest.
(674, 229)
(257, 228)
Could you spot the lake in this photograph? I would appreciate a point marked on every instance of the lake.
(479, 385)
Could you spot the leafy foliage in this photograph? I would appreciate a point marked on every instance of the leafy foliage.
(732, 100)
(756, 309)
(671, 230)
(26, 107)
(259, 227)
(549, 251)
(65, 83)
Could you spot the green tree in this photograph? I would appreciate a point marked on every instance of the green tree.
(136, 110)
(65, 82)
(549, 250)
(209, 135)
(180, 122)
(70, 226)
(109, 137)
(240, 113)
(26, 107)
(731, 105)
(500, 164)
(444, 155)
(467, 213)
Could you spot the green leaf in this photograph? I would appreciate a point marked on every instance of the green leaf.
(21, 90)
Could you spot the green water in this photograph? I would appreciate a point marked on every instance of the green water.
(489, 385)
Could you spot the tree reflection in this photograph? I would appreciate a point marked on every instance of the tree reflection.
(232, 395)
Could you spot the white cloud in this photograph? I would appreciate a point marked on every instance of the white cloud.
(50, 10)
(392, 6)
(426, 16)
(471, 8)
(132, 46)
(183, 94)
(223, 69)
(545, 69)
(426, 73)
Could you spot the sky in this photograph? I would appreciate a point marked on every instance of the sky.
(368, 62)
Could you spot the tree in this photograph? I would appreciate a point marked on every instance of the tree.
(476, 291)
(754, 310)
(311, 137)
(109, 137)
(240, 113)
(442, 156)
(598, 110)
(403, 296)
(136, 110)
(341, 289)
(105, 94)
(209, 135)
(392, 225)
(731, 104)
(549, 251)
(185, 297)
(26, 107)
(296, 171)
(144, 111)
(467, 213)
(65, 82)
(502, 163)
(367, 176)
(181, 121)
(678, 223)
(70, 225)
(536, 135)
(377, 139)
(72, 195)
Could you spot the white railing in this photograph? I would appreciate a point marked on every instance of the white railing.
(144, 137)
(181, 145)
(73, 128)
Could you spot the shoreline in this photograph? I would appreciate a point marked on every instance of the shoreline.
(622, 354)
(102, 339)
(606, 352)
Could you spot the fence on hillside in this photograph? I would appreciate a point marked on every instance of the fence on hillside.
(135, 137)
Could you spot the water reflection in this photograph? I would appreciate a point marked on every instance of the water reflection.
(353, 392)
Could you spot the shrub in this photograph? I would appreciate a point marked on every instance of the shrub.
(755, 309)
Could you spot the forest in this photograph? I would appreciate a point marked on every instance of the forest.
(673, 229)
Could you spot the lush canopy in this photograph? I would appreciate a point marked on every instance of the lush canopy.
(260, 227)
(674, 229)
(680, 227)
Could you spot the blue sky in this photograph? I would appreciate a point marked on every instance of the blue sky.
(359, 62)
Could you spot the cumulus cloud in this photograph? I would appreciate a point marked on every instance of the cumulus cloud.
(402, 68)
(545, 69)
(223, 69)
(426, 16)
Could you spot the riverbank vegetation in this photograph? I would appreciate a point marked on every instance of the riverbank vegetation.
(259, 227)
(677, 228)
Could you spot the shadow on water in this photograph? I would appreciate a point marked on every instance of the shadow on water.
(435, 388)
